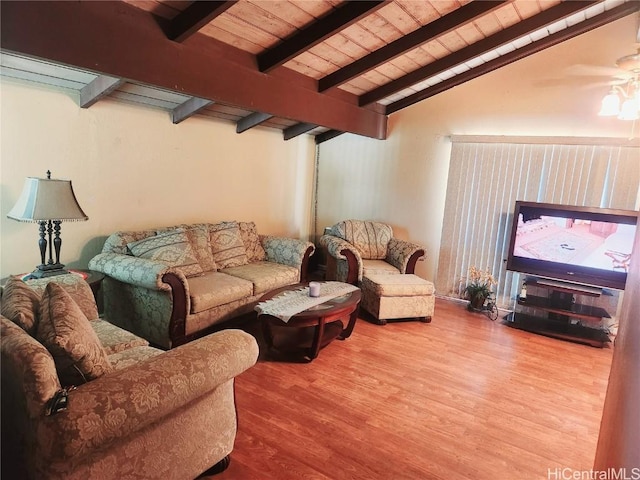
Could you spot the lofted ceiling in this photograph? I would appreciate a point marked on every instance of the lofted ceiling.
(319, 67)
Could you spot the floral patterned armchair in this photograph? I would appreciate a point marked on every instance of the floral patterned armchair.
(356, 248)
(145, 414)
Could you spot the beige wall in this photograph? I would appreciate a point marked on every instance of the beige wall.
(132, 168)
(402, 181)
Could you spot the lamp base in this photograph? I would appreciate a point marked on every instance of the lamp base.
(43, 271)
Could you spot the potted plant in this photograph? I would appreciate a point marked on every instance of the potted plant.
(478, 287)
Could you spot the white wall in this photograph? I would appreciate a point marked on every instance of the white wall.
(402, 181)
(132, 168)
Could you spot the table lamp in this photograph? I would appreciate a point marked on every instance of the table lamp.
(48, 202)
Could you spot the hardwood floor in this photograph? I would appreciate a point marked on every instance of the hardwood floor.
(460, 398)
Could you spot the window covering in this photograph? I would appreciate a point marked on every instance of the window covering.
(488, 174)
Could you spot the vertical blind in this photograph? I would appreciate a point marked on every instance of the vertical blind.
(487, 176)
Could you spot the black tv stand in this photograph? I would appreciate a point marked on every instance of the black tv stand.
(566, 286)
(558, 314)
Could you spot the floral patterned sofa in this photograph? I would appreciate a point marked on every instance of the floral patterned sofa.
(136, 412)
(174, 284)
(356, 248)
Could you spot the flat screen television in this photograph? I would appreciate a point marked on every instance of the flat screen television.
(584, 245)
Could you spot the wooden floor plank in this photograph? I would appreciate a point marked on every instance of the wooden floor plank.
(460, 398)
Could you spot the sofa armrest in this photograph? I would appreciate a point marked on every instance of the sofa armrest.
(123, 402)
(148, 293)
(27, 369)
(336, 247)
(403, 255)
(134, 270)
(288, 251)
(348, 258)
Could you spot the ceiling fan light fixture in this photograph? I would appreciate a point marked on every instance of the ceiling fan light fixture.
(610, 105)
(629, 109)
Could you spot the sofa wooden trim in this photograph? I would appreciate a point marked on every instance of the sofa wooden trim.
(304, 267)
(178, 321)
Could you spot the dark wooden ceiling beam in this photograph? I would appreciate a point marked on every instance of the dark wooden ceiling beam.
(252, 120)
(189, 108)
(447, 23)
(476, 49)
(608, 16)
(328, 135)
(193, 18)
(297, 129)
(316, 32)
(74, 33)
(100, 87)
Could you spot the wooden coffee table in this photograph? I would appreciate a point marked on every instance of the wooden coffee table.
(326, 322)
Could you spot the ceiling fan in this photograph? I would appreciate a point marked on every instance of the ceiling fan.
(623, 99)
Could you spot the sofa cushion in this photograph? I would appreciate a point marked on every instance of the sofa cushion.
(75, 285)
(20, 304)
(65, 331)
(370, 238)
(132, 356)
(397, 285)
(377, 267)
(227, 246)
(266, 276)
(251, 240)
(172, 248)
(115, 339)
(216, 288)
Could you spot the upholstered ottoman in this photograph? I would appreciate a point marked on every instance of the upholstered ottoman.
(397, 296)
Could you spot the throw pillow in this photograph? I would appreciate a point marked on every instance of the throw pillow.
(251, 240)
(67, 334)
(117, 242)
(20, 304)
(198, 235)
(199, 238)
(226, 245)
(75, 286)
(171, 248)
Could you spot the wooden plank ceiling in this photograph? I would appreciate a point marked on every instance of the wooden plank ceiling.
(322, 67)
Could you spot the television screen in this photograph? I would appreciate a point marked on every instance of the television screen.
(586, 245)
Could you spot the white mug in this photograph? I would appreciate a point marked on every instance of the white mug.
(314, 289)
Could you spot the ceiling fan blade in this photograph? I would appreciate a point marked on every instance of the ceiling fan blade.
(586, 70)
(578, 83)
(630, 63)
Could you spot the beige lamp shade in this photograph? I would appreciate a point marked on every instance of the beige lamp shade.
(47, 199)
